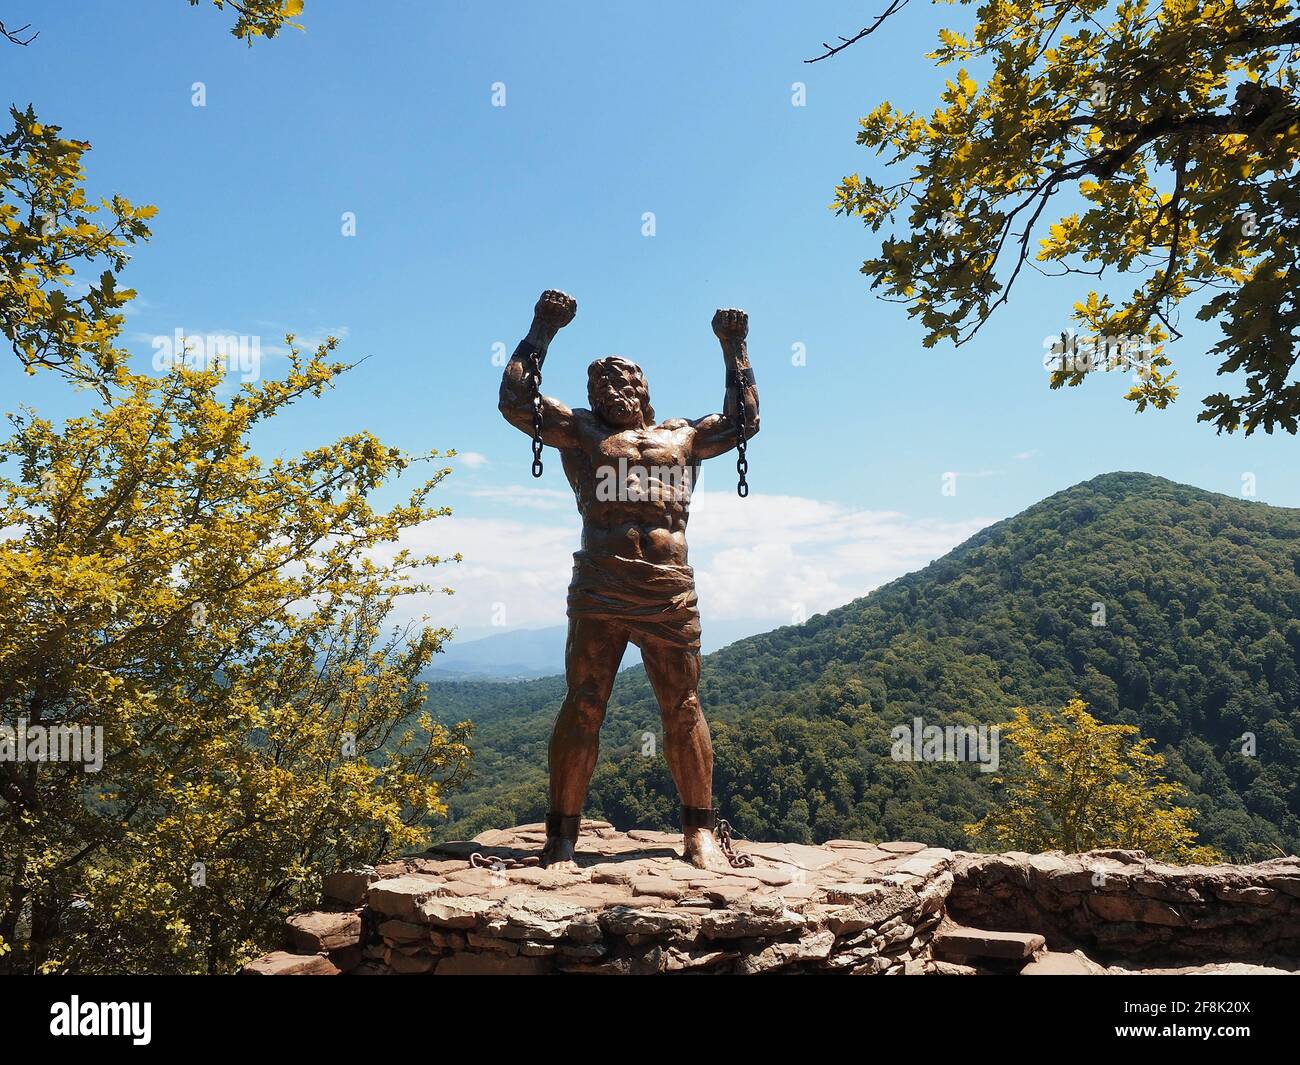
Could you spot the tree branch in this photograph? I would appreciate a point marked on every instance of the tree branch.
(15, 36)
(894, 7)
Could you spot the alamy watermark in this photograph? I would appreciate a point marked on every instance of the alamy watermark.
(1069, 353)
(227, 352)
(628, 483)
(77, 1018)
(919, 742)
(53, 743)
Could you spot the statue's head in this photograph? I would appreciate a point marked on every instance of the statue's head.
(618, 393)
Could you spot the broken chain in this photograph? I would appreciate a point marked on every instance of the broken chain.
(722, 829)
(479, 860)
(742, 463)
(533, 376)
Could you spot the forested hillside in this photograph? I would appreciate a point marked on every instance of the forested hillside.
(1200, 646)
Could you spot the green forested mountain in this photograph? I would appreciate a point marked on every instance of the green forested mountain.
(1200, 646)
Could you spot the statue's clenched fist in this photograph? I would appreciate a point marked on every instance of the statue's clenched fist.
(555, 309)
(730, 324)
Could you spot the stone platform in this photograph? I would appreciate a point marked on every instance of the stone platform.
(634, 906)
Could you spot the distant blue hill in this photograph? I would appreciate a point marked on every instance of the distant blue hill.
(527, 654)
(519, 654)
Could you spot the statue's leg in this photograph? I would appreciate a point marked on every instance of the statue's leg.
(675, 676)
(591, 659)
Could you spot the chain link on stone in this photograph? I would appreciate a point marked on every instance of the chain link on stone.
(533, 376)
(479, 860)
(722, 829)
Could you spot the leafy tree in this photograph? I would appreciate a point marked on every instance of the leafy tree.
(211, 626)
(1176, 126)
(51, 231)
(222, 620)
(1078, 785)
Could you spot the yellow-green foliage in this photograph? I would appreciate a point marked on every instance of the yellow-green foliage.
(223, 619)
(49, 230)
(1175, 129)
(220, 618)
(259, 18)
(1078, 785)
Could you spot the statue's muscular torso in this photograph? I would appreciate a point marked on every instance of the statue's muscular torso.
(648, 519)
(612, 459)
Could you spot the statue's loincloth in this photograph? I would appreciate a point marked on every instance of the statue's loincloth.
(655, 601)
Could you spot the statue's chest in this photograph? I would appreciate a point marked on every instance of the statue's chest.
(653, 447)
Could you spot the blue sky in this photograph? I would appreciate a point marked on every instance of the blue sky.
(466, 211)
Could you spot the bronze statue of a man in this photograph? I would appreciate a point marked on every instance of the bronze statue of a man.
(632, 478)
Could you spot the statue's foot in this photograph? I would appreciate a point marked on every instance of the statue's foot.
(558, 854)
(701, 850)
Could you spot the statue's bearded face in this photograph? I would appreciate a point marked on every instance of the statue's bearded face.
(617, 393)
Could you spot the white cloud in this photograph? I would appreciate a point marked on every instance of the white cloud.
(527, 495)
(777, 557)
(473, 460)
(515, 573)
(759, 559)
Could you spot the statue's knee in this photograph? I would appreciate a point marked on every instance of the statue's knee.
(585, 710)
(683, 712)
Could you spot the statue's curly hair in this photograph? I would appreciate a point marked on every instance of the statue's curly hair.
(598, 367)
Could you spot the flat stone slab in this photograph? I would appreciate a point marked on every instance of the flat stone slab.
(282, 963)
(1053, 963)
(959, 942)
(321, 932)
(643, 862)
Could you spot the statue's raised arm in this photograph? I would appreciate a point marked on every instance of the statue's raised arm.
(716, 434)
(554, 310)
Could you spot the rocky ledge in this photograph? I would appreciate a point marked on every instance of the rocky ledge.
(1122, 905)
(633, 906)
